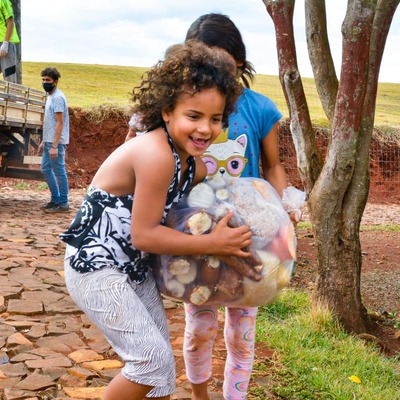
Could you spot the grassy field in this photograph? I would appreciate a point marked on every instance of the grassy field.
(88, 85)
(92, 85)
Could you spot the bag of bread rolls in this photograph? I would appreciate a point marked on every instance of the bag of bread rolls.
(230, 281)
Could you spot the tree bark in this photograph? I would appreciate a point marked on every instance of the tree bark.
(320, 55)
(380, 30)
(338, 191)
(336, 227)
(309, 161)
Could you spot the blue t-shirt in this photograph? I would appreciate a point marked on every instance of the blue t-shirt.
(56, 102)
(236, 152)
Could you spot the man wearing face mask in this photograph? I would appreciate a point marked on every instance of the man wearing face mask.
(54, 142)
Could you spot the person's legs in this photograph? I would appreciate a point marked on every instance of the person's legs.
(150, 297)
(123, 311)
(121, 388)
(47, 171)
(58, 166)
(200, 391)
(200, 332)
(240, 325)
(8, 64)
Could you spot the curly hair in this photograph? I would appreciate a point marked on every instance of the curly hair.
(187, 68)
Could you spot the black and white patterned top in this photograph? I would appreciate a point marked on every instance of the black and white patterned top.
(100, 234)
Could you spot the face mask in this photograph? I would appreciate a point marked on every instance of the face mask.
(48, 86)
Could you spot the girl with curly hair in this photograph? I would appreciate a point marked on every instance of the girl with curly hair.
(183, 101)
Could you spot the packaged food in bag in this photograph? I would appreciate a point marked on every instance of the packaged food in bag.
(228, 280)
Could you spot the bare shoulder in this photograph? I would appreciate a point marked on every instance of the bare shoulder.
(152, 148)
(141, 157)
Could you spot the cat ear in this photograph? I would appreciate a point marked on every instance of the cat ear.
(242, 140)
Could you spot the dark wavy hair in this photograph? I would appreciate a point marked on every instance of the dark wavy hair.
(187, 68)
(52, 73)
(218, 30)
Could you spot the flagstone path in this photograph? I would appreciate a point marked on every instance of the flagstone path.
(48, 348)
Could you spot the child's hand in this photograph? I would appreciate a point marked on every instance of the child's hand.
(231, 241)
(292, 200)
(295, 216)
(4, 49)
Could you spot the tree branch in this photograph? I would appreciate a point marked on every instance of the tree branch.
(357, 194)
(309, 161)
(341, 157)
(320, 55)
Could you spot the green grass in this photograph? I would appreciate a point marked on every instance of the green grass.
(387, 115)
(381, 228)
(42, 186)
(316, 358)
(22, 186)
(91, 85)
(34, 185)
(88, 85)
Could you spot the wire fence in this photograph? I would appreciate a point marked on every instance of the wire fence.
(384, 164)
(383, 205)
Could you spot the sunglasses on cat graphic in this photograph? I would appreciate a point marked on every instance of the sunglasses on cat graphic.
(234, 165)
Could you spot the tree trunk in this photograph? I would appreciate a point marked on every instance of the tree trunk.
(336, 218)
(338, 192)
(320, 55)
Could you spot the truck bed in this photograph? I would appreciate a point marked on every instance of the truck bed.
(21, 124)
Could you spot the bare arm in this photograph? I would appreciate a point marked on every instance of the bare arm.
(10, 26)
(152, 183)
(130, 135)
(57, 134)
(134, 127)
(272, 168)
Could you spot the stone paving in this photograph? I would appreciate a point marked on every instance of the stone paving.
(48, 348)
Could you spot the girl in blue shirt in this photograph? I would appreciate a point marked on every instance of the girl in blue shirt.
(250, 139)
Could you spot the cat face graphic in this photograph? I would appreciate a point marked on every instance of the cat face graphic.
(226, 158)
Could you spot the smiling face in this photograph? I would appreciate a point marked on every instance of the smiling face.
(195, 122)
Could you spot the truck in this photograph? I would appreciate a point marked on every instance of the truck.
(21, 129)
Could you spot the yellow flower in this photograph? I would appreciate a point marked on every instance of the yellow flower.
(355, 379)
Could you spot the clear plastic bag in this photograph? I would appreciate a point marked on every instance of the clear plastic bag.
(230, 281)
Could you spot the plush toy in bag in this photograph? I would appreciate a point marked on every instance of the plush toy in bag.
(229, 280)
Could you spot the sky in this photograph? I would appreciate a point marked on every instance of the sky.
(136, 33)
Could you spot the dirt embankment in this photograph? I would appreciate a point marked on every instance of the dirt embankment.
(91, 141)
(95, 136)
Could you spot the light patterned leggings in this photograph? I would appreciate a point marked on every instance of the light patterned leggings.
(200, 333)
